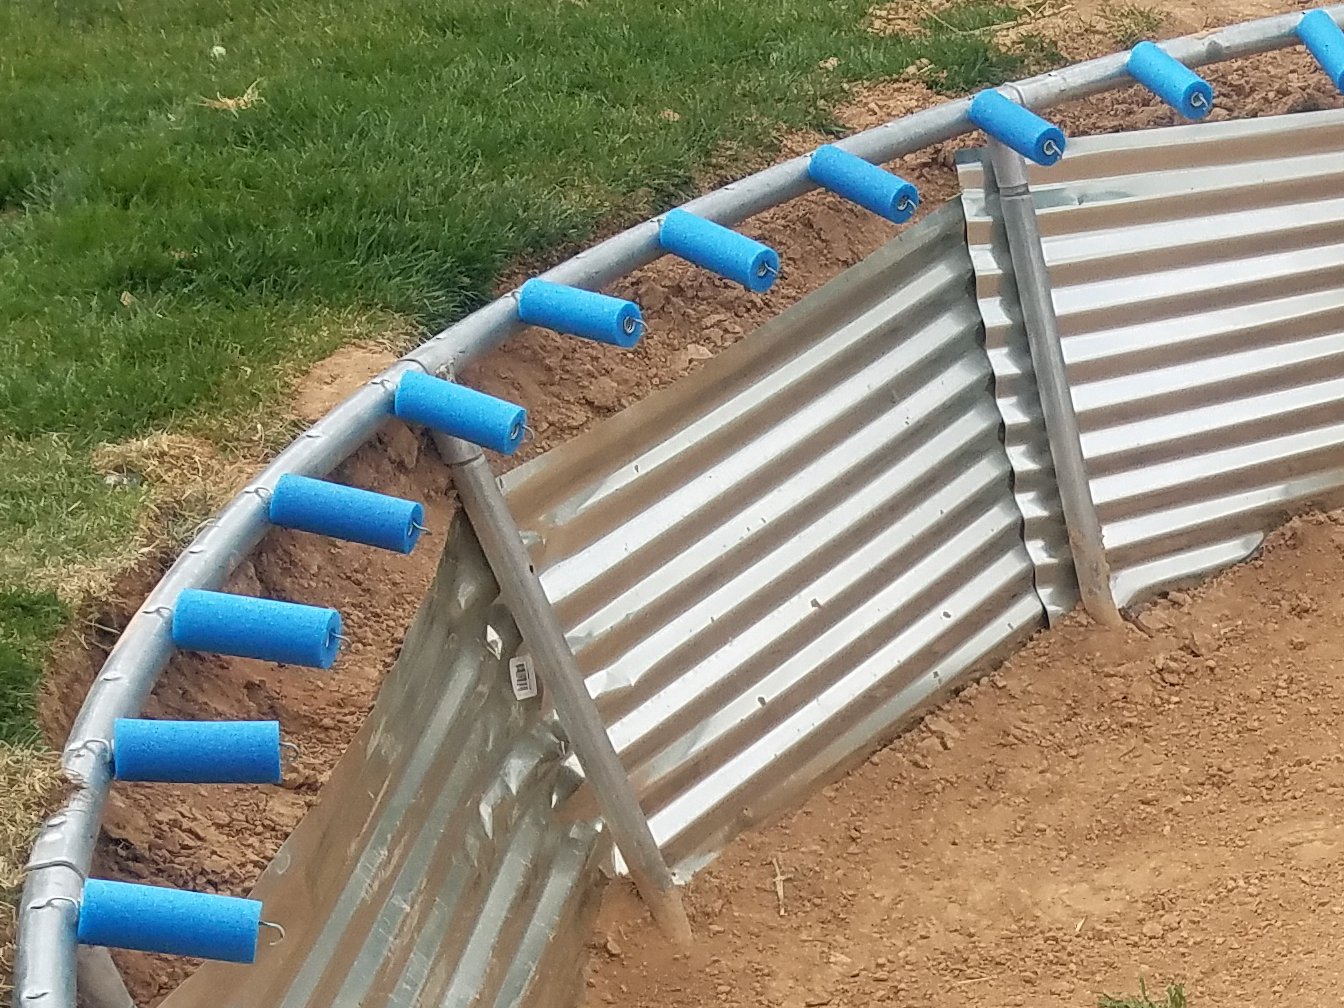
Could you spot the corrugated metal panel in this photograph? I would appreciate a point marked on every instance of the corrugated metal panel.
(436, 869)
(767, 568)
(1198, 276)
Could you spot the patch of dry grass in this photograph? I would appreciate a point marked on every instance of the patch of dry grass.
(1130, 24)
(1056, 26)
(248, 99)
(31, 786)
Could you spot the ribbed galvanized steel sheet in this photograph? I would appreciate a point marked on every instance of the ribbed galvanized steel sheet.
(769, 567)
(440, 866)
(1198, 278)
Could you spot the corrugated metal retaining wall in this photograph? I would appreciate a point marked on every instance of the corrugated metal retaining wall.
(1198, 278)
(767, 568)
(441, 866)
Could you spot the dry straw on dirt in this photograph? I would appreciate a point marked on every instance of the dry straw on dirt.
(32, 785)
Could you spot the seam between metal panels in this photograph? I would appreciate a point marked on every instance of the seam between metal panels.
(766, 568)
(1031, 281)
(1198, 278)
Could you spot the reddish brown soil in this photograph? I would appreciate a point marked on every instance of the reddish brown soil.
(219, 839)
(1162, 801)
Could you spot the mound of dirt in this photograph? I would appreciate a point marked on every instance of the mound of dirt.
(1162, 801)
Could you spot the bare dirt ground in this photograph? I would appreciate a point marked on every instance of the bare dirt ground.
(1160, 801)
(220, 838)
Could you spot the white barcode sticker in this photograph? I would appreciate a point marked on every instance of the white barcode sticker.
(523, 677)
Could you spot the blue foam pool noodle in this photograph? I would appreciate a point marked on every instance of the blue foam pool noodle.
(719, 249)
(579, 312)
(1017, 127)
(196, 752)
(875, 189)
(1325, 40)
(249, 627)
(345, 512)
(169, 921)
(1171, 80)
(463, 412)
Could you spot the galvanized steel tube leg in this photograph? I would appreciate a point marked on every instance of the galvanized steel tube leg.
(521, 588)
(100, 982)
(1047, 359)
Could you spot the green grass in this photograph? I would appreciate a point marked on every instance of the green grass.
(26, 620)
(165, 262)
(1175, 999)
(55, 511)
(403, 154)
(1131, 24)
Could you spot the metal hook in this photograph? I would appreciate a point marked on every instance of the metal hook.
(293, 749)
(52, 900)
(633, 325)
(92, 746)
(767, 270)
(158, 610)
(904, 204)
(1051, 148)
(422, 529)
(341, 637)
(197, 533)
(263, 492)
(1197, 100)
(272, 924)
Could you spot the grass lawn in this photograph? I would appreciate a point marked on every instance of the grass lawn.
(197, 198)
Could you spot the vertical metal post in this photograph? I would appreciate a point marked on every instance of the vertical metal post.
(1047, 359)
(518, 583)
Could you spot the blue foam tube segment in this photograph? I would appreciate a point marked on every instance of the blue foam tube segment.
(719, 249)
(462, 412)
(1017, 127)
(1171, 80)
(875, 189)
(346, 512)
(578, 312)
(196, 752)
(1324, 39)
(248, 627)
(168, 921)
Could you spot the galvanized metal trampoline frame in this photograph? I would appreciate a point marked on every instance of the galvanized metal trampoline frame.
(46, 969)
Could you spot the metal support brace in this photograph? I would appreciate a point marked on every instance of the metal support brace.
(100, 982)
(518, 583)
(1052, 382)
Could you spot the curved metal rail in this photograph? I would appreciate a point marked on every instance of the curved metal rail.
(45, 972)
